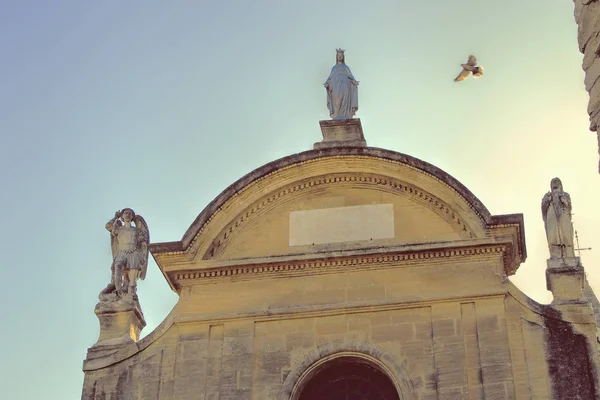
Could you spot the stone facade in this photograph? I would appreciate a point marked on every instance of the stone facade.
(587, 16)
(406, 277)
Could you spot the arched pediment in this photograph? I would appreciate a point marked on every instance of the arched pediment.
(335, 199)
(293, 218)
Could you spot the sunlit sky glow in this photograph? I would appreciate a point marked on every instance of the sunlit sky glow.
(159, 106)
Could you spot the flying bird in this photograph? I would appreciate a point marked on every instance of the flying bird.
(469, 68)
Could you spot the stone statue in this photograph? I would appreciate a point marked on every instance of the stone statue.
(130, 253)
(556, 211)
(342, 90)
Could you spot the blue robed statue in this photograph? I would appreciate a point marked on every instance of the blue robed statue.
(342, 90)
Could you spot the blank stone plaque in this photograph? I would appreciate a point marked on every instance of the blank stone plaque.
(341, 224)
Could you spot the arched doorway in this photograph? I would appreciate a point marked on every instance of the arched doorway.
(348, 378)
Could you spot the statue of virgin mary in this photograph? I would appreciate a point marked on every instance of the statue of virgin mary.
(342, 90)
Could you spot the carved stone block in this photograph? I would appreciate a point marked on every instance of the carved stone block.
(565, 279)
(121, 321)
(341, 133)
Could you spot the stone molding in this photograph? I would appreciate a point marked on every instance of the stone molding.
(327, 264)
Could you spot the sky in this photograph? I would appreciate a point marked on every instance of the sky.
(159, 106)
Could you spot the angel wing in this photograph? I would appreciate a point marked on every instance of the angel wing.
(464, 74)
(143, 238)
(472, 61)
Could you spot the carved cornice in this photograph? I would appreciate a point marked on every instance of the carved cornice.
(331, 262)
(512, 221)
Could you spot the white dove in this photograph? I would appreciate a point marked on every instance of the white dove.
(468, 68)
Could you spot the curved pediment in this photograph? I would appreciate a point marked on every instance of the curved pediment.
(338, 210)
(335, 199)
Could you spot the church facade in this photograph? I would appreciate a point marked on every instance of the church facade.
(350, 272)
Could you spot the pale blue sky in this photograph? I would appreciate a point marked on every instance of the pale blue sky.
(160, 105)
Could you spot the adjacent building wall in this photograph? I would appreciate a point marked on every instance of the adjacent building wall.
(587, 16)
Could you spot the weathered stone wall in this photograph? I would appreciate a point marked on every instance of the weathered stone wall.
(587, 16)
(570, 361)
(452, 328)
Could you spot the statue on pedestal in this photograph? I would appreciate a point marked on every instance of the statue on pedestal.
(129, 245)
(342, 90)
(556, 212)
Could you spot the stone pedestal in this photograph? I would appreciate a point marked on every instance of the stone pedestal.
(565, 278)
(121, 321)
(341, 133)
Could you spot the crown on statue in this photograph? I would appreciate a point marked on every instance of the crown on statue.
(340, 50)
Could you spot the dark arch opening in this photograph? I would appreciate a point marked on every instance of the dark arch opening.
(348, 378)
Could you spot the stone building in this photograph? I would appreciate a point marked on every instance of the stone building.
(350, 272)
(587, 16)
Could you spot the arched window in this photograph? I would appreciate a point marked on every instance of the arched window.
(348, 378)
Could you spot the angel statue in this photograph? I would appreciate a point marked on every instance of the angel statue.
(342, 89)
(556, 212)
(129, 250)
